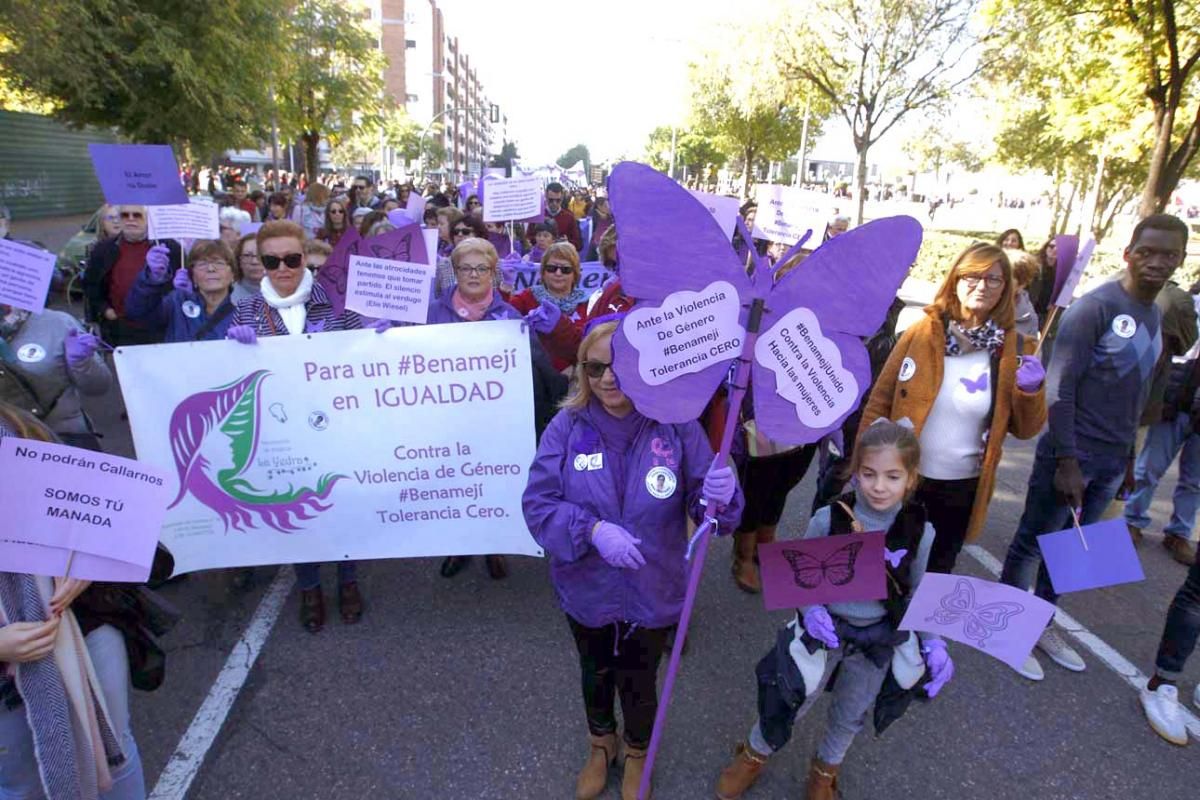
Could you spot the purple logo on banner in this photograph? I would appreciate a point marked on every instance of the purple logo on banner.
(829, 569)
(1091, 557)
(138, 174)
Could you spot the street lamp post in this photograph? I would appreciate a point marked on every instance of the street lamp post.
(492, 110)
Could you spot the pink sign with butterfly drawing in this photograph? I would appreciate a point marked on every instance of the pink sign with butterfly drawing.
(999, 620)
(827, 569)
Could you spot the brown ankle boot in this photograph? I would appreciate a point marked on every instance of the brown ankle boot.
(741, 773)
(635, 764)
(594, 775)
(822, 780)
(312, 609)
(744, 569)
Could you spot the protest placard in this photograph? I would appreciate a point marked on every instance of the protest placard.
(512, 198)
(999, 620)
(827, 569)
(386, 289)
(405, 243)
(25, 274)
(1091, 557)
(785, 213)
(138, 174)
(1066, 292)
(724, 210)
(60, 500)
(185, 221)
(346, 445)
(686, 333)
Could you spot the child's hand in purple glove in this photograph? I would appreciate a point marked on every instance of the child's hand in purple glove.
(182, 282)
(157, 262)
(720, 483)
(242, 333)
(545, 317)
(79, 347)
(941, 666)
(819, 625)
(1030, 374)
(617, 546)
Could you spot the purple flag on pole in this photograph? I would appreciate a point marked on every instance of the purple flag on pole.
(1091, 557)
(1065, 249)
(828, 569)
(138, 174)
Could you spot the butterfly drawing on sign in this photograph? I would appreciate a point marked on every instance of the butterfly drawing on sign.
(979, 621)
(402, 244)
(847, 283)
(980, 384)
(837, 568)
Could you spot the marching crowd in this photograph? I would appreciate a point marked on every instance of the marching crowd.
(1116, 402)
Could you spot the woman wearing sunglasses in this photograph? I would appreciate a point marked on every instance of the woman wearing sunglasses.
(563, 302)
(337, 221)
(293, 303)
(608, 495)
(473, 298)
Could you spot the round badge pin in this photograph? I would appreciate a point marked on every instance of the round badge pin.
(190, 309)
(581, 462)
(908, 368)
(1124, 326)
(660, 482)
(31, 353)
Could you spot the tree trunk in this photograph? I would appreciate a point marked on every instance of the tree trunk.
(747, 170)
(1057, 208)
(860, 179)
(312, 158)
(1155, 192)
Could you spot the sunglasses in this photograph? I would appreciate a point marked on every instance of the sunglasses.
(463, 232)
(293, 260)
(132, 215)
(561, 269)
(333, 211)
(595, 369)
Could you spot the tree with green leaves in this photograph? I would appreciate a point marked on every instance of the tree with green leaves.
(697, 152)
(573, 156)
(877, 61)
(507, 155)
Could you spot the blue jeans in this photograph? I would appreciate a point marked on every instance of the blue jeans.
(19, 778)
(1182, 628)
(1164, 441)
(308, 576)
(1045, 513)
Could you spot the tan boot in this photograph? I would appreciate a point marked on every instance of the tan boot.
(594, 775)
(741, 773)
(635, 763)
(744, 569)
(822, 780)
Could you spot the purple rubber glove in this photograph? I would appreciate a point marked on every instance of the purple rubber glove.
(1030, 374)
(381, 325)
(617, 546)
(720, 483)
(158, 260)
(79, 347)
(941, 667)
(182, 282)
(819, 625)
(242, 333)
(545, 317)
(508, 269)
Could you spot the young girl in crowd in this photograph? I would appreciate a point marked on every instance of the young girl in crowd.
(861, 636)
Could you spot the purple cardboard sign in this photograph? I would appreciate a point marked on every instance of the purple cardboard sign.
(999, 620)
(1066, 247)
(828, 569)
(25, 274)
(1107, 559)
(59, 499)
(1066, 292)
(405, 243)
(138, 174)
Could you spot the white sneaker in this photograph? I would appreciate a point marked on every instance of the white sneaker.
(1031, 669)
(1060, 652)
(1162, 712)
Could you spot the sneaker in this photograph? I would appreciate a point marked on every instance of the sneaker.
(1060, 652)
(1162, 712)
(1180, 549)
(1031, 669)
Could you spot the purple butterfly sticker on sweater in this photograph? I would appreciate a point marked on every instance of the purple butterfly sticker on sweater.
(894, 557)
(980, 384)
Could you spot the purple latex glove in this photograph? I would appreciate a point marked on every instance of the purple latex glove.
(182, 282)
(617, 546)
(79, 347)
(819, 625)
(941, 666)
(508, 269)
(545, 317)
(720, 483)
(158, 260)
(242, 333)
(1030, 374)
(381, 325)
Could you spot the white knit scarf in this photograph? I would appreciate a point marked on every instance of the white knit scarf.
(291, 308)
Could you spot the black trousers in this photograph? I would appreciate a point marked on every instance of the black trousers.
(948, 504)
(620, 659)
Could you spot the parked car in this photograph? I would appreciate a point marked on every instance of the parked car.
(75, 251)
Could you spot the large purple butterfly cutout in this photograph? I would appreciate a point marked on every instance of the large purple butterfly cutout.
(405, 243)
(669, 242)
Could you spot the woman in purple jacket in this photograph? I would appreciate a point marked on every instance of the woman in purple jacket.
(608, 496)
(196, 303)
(292, 303)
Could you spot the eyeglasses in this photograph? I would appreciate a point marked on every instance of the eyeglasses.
(595, 369)
(472, 269)
(463, 232)
(293, 261)
(561, 269)
(214, 266)
(132, 215)
(991, 281)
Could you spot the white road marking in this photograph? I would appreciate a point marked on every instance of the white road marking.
(1098, 647)
(185, 762)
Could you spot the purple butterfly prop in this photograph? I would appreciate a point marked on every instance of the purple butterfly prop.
(405, 243)
(980, 384)
(673, 253)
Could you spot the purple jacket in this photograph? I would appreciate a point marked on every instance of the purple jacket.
(441, 309)
(321, 316)
(178, 315)
(564, 499)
